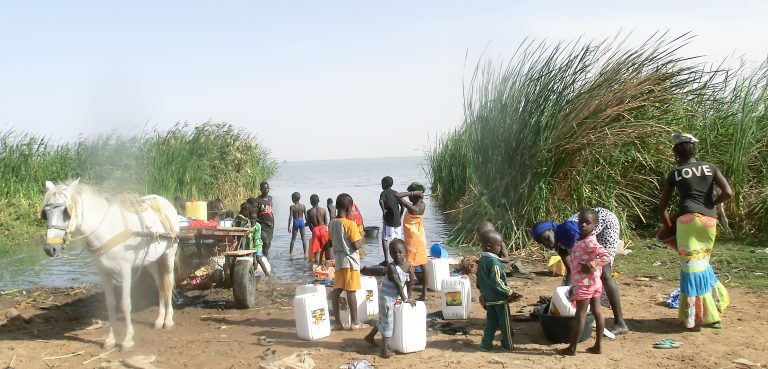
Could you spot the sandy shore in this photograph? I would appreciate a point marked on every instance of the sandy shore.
(210, 333)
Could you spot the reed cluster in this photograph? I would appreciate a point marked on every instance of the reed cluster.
(193, 161)
(568, 125)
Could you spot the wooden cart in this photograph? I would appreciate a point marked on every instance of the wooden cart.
(198, 244)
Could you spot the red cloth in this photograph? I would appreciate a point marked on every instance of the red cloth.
(354, 214)
(319, 238)
(203, 223)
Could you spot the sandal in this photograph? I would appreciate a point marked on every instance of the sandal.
(667, 343)
(268, 353)
(716, 325)
(357, 326)
(264, 341)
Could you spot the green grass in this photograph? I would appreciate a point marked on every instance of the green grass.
(193, 161)
(563, 126)
(737, 264)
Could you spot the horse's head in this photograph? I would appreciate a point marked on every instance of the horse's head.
(58, 210)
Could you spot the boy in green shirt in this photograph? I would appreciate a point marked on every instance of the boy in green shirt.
(254, 242)
(495, 294)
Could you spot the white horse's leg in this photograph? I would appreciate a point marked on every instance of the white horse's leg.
(126, 305)
(168, 279)
(153, 268)
(109, 296)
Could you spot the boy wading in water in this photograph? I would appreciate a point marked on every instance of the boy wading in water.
(495, 294)
(587, 259)
(296, 219)
(391, 214)
(318, 223)
(331, 216)
(393, 288)
(346, 240)
(331, 209)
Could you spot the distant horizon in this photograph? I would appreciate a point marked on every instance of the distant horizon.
(357, 158)
(386, 79)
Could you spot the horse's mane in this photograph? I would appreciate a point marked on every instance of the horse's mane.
(81, 189)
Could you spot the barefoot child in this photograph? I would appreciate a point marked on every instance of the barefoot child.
(346, 240)
(263, 206)
(495, 294)
(587, 259)
(393, 288)
(253, 241)
(319, 226)
(296, 219)
(415, 236)
(391, 214)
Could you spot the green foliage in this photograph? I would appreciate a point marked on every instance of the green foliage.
(206, 161)
(564, 126)
(202, 162)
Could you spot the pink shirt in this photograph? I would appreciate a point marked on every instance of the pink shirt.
(585, 251)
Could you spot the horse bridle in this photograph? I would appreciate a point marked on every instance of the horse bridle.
(69, 226)
(66, 227)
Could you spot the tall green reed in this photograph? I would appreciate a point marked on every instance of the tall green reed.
(201, 161)
(567, 125)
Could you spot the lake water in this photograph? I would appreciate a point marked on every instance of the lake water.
(361, 178)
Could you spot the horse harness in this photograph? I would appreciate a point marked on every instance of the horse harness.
(126, 203)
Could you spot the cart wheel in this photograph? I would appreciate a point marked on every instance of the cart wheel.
(244, 284)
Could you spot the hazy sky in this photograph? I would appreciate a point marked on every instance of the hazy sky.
(313, 79)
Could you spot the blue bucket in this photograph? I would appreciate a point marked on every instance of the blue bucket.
(437, 251)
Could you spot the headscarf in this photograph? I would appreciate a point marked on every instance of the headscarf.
(679, 138)
(542, 227)
(416, 186)
(567, 233)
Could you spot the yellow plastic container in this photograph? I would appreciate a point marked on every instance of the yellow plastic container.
(197, 210)
(556, 266)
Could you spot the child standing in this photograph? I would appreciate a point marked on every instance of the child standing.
(495, 294)
(296, 218)
(331, 209)
(355, 215)
(486, 225)
(263, 206)
(253, 241)
(391, 213)
(393, 288)
(319, 226)
(415, 235)
(331, 216)
(346, 240)
(587, 260)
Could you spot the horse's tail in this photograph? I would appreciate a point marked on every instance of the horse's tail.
(166, 219)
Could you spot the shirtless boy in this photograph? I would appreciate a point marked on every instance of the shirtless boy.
(331, 209)
(318, 223)
(296, 222)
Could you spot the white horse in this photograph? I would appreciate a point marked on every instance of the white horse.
(120, 235)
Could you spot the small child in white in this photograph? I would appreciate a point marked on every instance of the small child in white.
(393, 288)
